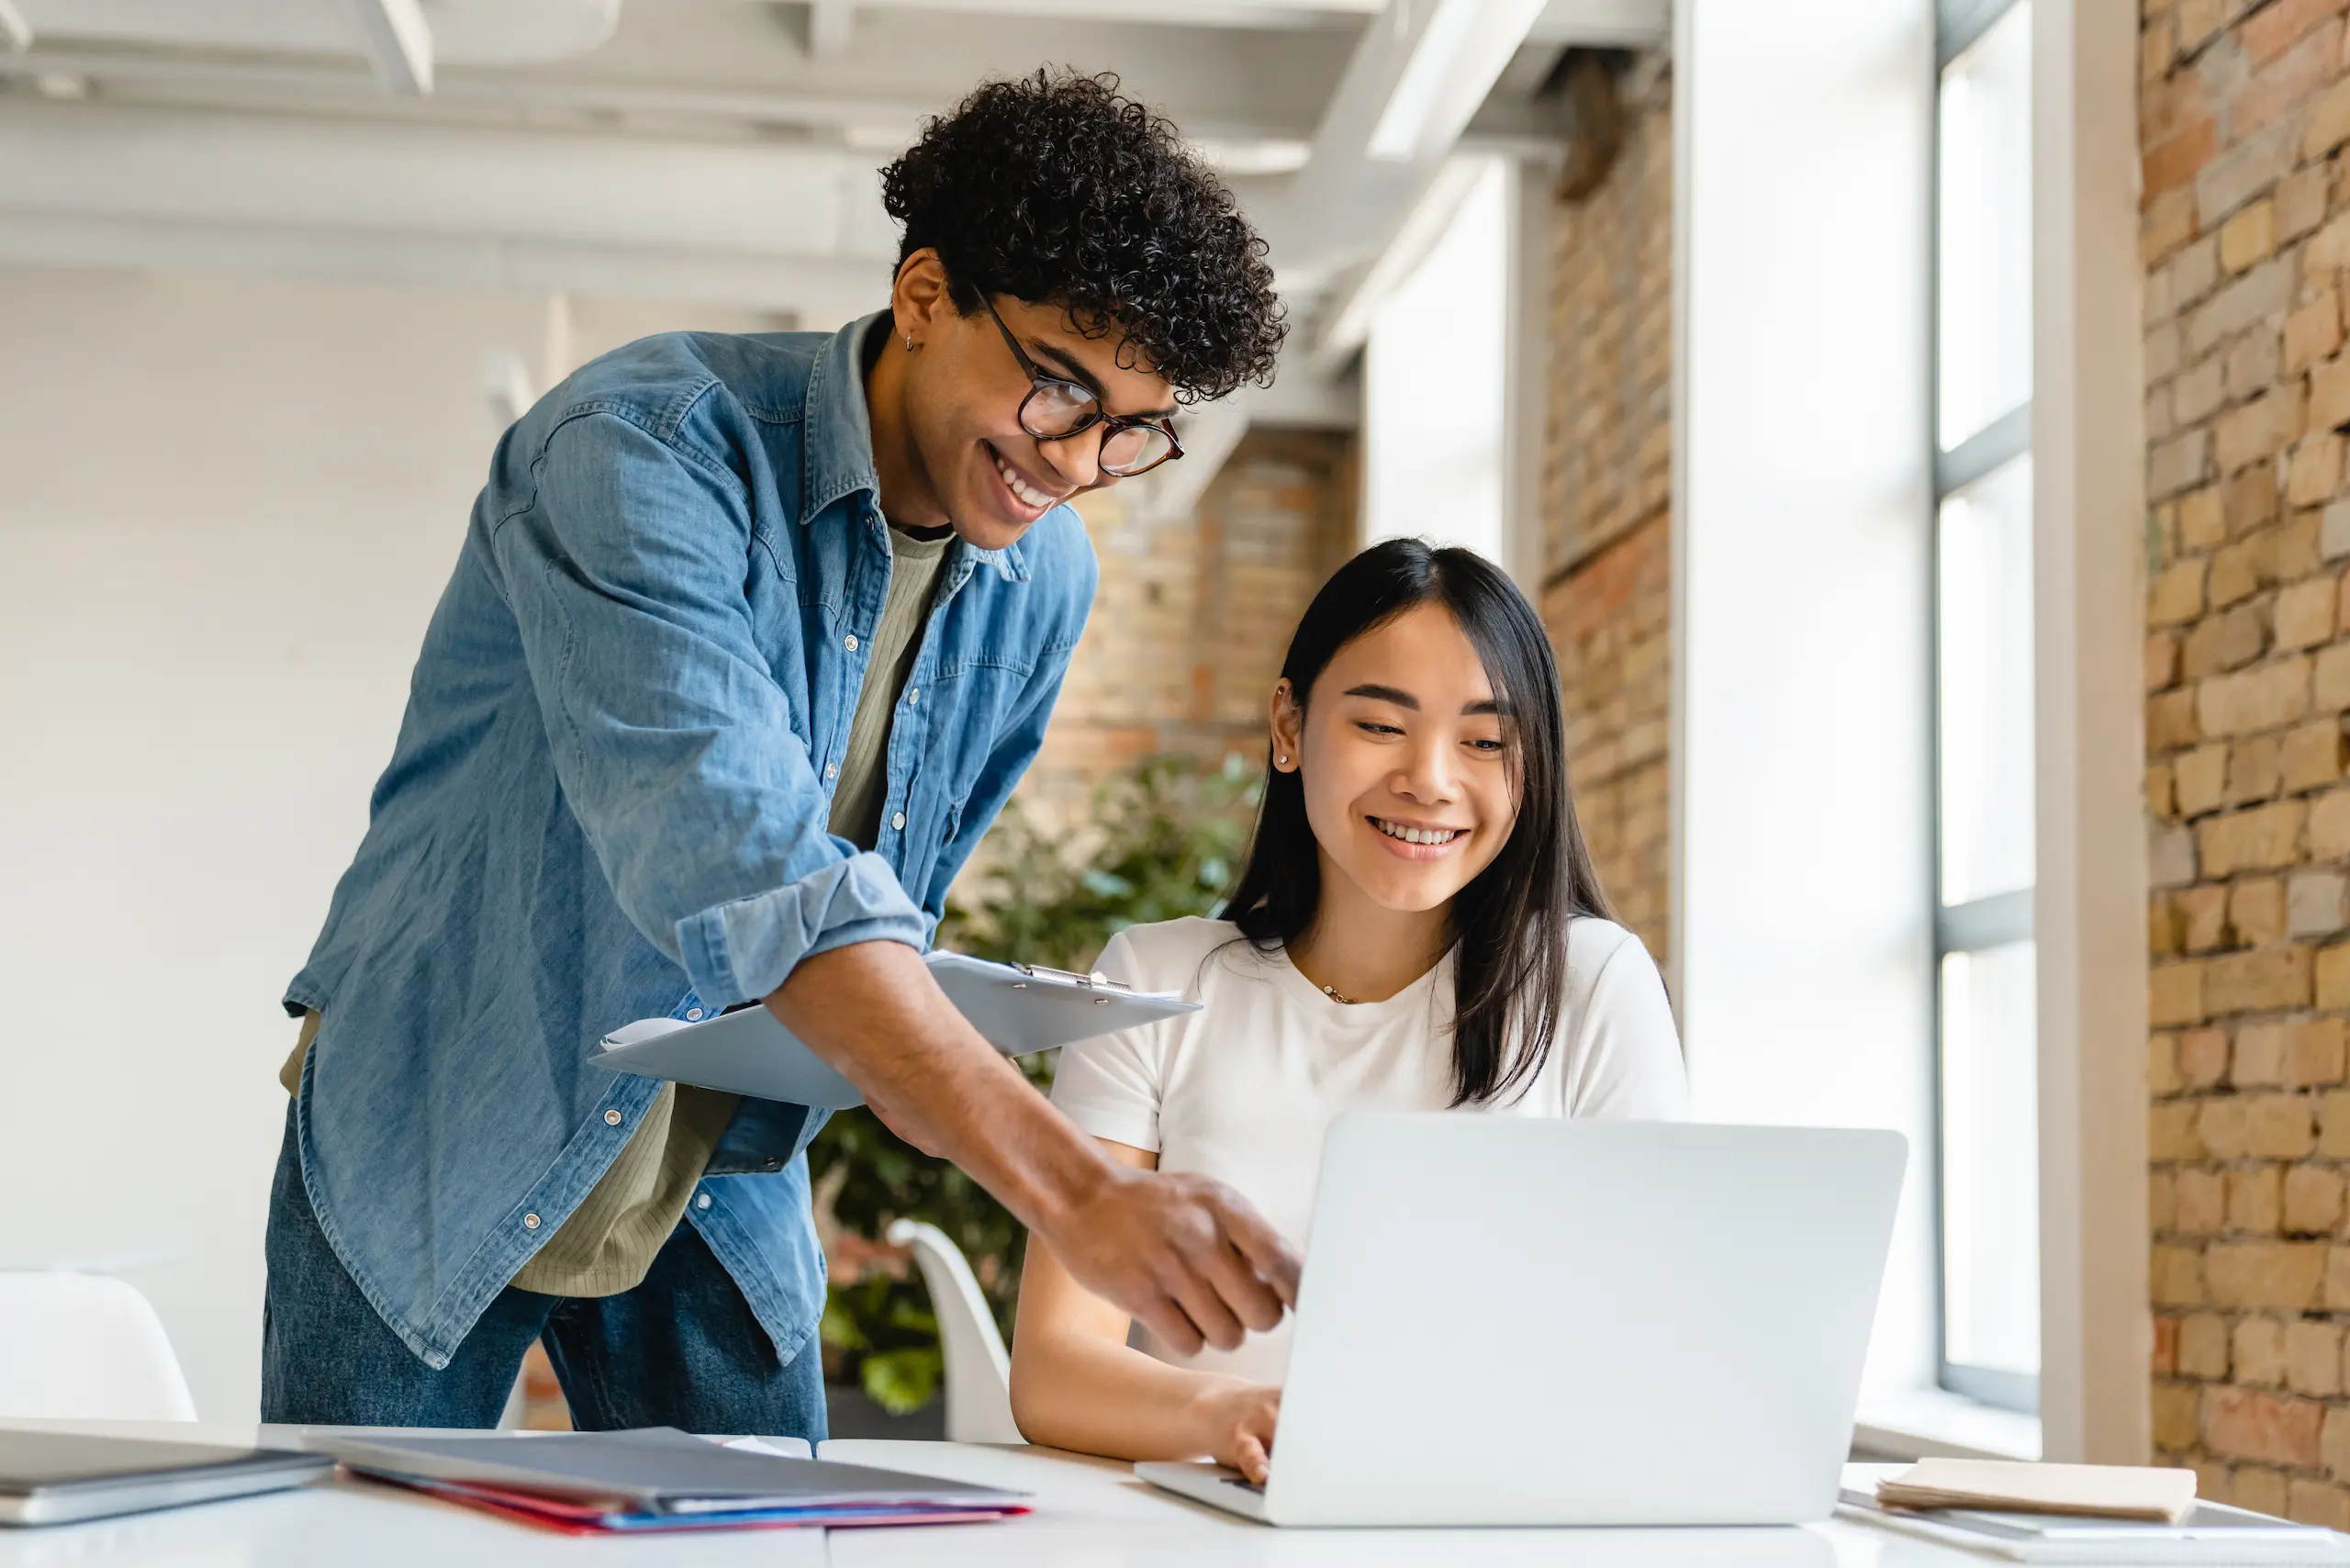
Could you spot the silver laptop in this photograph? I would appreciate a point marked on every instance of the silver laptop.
(1508, 1321)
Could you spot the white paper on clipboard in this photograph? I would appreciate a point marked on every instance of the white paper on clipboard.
(1016, 1008)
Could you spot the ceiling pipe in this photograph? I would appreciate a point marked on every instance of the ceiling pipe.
(15, 33)
(399, 45)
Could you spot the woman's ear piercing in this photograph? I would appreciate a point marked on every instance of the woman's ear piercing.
(1282, 761)
(910, 343)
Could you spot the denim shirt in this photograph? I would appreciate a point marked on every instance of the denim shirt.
(609, 799)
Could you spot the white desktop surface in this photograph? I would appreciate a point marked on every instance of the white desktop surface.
(1089, 1512)
(1093, 1513)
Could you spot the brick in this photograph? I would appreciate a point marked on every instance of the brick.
(2162, 1201)
(2202, 519)
(2164, 1363)
(2161, 659)
(2313, 1358)
(2331, 984)
(2259, 429)
(2178, 463)
(2256, 1353)
(2269, 31)
(2165, 933)
(2317, 1503)
(2199, 391)
(2329, 123)
(2253, 770)
(2313, 1200)
(2306, 613)
(2162, 347)
(2162, 1064)
(2275, 1428)
(2202, 914)
(2176, 1273)
(2225, 1127)
(2256, 1200)
(2257, 1060)
(2316, 1054)
(2170, 1131)
(2170, 855)
(2314, 472)
(2222, 642)
(2264, 838)
(2333, 1445)
(2267, 698)
(2177, 594)
(2249, 501)
(2200, 779)
(2314, 903)
(2248, 236)
(2258, 1488)
(2334, 533)
(2256, 910)
(2202, 1057)
(2178, 1416)
(2333, 1126)
(2300, 204)
(2311, 756)
(2280, 1127)
(2241, 172)
(2235, 573)
(2287, 1275)
(2203, 1345)
(2329, 824)
(2161, 801)
(2175, 993)
(2201, 1202)
(2312, 331)
(2255, 362)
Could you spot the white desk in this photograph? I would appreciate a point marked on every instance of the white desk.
(1089, 1514)
(1092, 1512)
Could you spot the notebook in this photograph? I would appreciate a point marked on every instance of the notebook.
(2147, 1492)
(2211, 1536)
(634, 1479)
(52, 1478)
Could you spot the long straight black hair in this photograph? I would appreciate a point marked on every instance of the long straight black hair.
(1509, 924)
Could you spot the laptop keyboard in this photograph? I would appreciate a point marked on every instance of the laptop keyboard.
(1244, 1484)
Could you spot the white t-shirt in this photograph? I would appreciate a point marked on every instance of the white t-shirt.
(1244, 1090)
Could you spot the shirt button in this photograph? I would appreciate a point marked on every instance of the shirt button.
(773, 1162)
(914, 695)
(611, 1118)
(530, 1222)
(898, 821)
(831, 771)
(693, 1015)
(702, 1202)
(849, 642)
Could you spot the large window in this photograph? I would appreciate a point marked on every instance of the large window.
(1983, 932)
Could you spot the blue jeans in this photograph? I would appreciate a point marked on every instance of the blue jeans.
(681, 1349)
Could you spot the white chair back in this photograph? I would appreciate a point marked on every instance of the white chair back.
(86, 1347)
(978, 1372)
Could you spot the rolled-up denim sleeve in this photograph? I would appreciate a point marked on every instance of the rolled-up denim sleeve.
(675, 746)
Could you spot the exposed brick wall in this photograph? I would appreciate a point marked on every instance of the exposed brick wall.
(2244, 111)
(1194, 613)
(1606, 483)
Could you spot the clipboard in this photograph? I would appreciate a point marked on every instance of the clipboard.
(1016, 1008)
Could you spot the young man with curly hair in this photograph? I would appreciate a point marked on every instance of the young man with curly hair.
(749, 641)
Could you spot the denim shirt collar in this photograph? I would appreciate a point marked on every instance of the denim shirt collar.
(838, 431)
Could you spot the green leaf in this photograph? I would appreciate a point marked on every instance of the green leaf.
(902, 1381)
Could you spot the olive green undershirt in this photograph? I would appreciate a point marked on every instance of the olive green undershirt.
(607, 1244)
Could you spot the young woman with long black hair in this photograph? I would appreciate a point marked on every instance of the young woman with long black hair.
(1418, 927)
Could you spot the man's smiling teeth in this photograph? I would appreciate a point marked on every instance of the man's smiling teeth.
(1417, 834)
(1029, 496)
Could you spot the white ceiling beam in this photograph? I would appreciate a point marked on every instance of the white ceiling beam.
(831, 26)
(15, 33)
(399, 44)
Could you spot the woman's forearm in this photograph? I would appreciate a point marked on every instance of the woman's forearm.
(1074, 1391)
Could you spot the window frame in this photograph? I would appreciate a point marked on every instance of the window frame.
(2000, 919)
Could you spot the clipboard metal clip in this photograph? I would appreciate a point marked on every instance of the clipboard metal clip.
(1097, 980)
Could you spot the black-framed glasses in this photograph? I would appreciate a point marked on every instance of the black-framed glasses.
(1057, 407)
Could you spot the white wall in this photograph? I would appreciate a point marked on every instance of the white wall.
(227, 507)
(1435, 371)
(1803, 794)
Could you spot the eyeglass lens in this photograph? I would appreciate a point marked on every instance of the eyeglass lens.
(1056, 410)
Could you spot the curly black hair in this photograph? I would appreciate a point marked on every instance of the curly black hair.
(1058, 189)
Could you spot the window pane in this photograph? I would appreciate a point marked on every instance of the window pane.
(1985, 225)
(1990, 1160)
(1985, 704)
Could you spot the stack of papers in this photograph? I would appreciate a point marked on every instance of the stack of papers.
(659, 1479)
(2094, 1491)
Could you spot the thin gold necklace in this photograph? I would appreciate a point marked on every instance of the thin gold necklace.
(1332, 992)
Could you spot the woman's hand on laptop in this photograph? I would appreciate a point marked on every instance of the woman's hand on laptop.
(1237, 1427)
